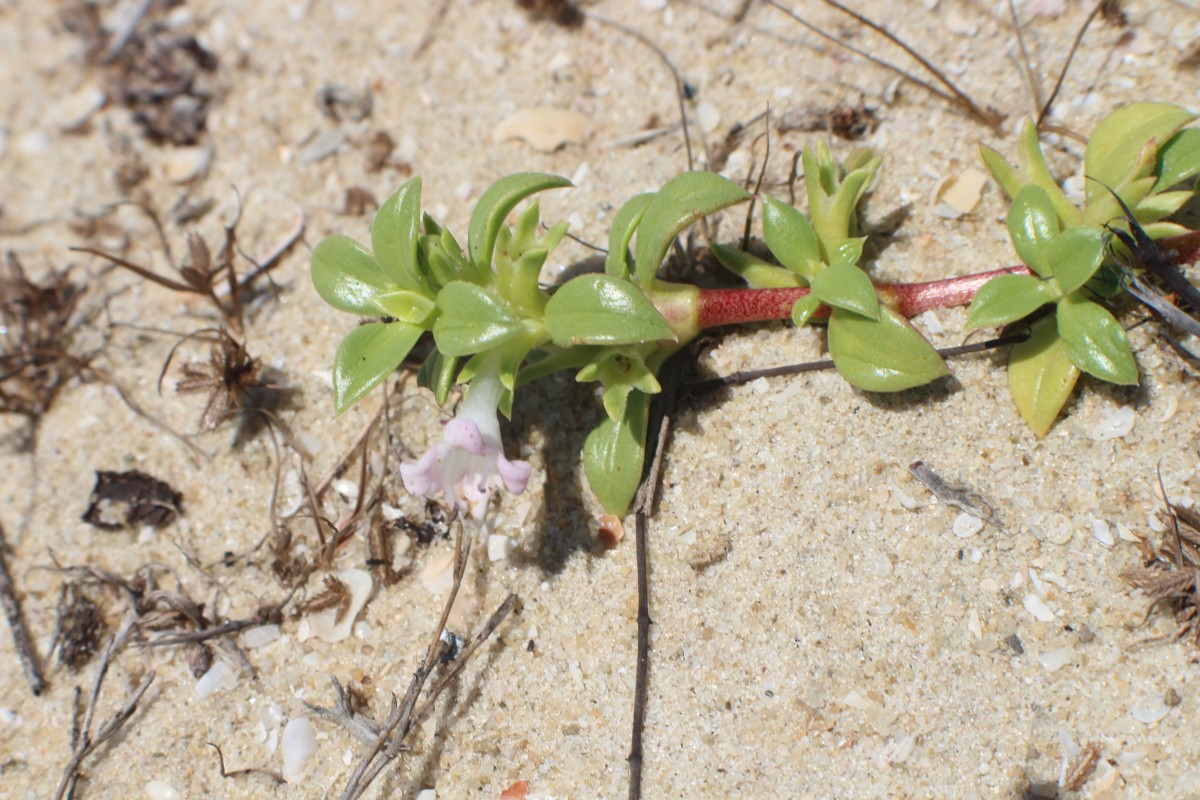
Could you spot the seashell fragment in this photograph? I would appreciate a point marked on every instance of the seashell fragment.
(545, 129)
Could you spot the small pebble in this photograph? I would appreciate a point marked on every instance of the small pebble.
(967, 525)
(299, 745)
(1114, 425)
(1103, 533)
(1056, 659)
(707, 117)
(186, 164)
(220, 676)
(1038, 608)
(72, 112)
(499, 546)
(1150, 709)
(263, 635)
(161, 790)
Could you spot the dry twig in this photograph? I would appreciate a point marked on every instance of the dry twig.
(16, 623)
(83, 741)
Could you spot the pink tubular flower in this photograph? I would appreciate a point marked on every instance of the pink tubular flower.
(469, 463)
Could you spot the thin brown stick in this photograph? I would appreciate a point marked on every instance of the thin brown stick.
(498, 616)
(1035, 90)
(952, 93)
(1067, 64)
(16, 623)
(643, 505)
(237, 773)
(84, 743)
(401, 718)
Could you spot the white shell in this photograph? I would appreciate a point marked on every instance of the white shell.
(1038, 608)
(1115, 425)
(220, 676)
(299, 745)
(1150, 709)
(545, 129)
(967, 525)
(324, 624)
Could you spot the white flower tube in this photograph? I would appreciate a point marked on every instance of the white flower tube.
(469, 463)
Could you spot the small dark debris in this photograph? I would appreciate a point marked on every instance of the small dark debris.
(166, 79)
(845, 121)
(425, 530)
(560, 12)
(380, 146)
(1014, 641)
(340, 102)
(39, 324)
(454, 645)
(200, 659)
(335, 595)
(81, 626)
(1112, 12)
(122, 499)
(1191, 56)
(358, 201)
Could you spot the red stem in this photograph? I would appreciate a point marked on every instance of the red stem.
(732, 306)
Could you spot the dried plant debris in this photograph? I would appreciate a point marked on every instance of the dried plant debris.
(162, 74)
(960, 497)
(1191, 56)
(230, 378)
(1113, 12)
(335, 595)
(358, 201)
(1169, 574)
(79, 627)
(341, 102)
(122, 499)
(37, 328)
(560, 12)
(845, 121)
(22, 642)
(1079, 771)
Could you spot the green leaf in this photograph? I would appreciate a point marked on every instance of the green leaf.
(367, 356)
(628, 217)
(1162, 205)
(1032, 224)
(757, 274)
(499, 199)
(347, 276)
(847, 287)
(1117, 141)
(685, 199)
(394, 237)
(409, 307)
(1095, 341)
(1008, 178)
(614, 454)
(601, 309)
(472, 319)
(790, 237)
(848, 253)
(1041, 376)
(437, 375)
(883, 355)
(1008, 298)
(1034, 169)
(1178, 159)
(1074, 256)
(803, 309)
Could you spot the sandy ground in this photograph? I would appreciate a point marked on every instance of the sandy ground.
(813, 635)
